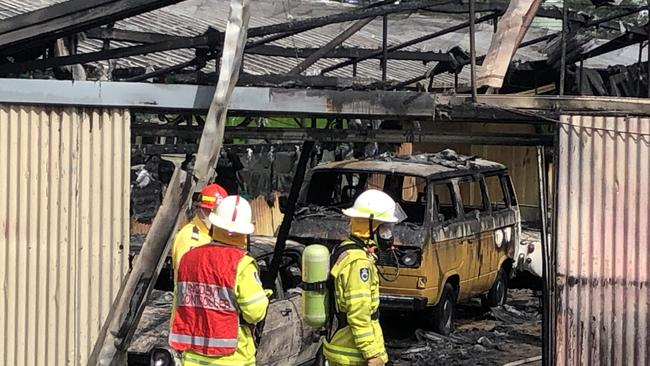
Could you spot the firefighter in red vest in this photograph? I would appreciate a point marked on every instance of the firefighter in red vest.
(219, 296)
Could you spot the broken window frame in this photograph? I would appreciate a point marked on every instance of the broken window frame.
(504, 190)
(478, 178)
(434, 207)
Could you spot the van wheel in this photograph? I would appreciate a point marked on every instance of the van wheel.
(498, 293)
(442, 316)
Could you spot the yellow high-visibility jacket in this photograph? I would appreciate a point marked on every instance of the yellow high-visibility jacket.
(356, 290)
(189, 236)
(252, 303)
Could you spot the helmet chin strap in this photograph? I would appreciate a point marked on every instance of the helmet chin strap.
(371, 230)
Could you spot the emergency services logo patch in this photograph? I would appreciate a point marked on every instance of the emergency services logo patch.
(364, 274)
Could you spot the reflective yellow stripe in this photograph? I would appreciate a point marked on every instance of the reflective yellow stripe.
(190, 359)
(358, 296)
(363, 335)
(351, 353)
(208, 198)
(260, 296)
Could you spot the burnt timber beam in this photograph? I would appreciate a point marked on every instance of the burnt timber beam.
(315, 56)
(264, 50)
(114, 53)
(47, 24)
(123, 35)
(348, 52)
(347, 135)
(259, 101)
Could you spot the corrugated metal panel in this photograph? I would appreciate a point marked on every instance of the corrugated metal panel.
(602, 241)
(64, 229)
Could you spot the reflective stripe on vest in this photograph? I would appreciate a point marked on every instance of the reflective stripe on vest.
(206, 342)
(205, 297)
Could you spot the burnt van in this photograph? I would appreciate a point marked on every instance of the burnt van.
(459, 240)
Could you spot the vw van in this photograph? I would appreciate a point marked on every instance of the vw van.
(459, 240)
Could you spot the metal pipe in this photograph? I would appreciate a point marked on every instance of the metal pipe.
(648, 55)
(581, 75)
(546, 319)
(472, 46)
(564, 36)
(384, 48)
(640, 68)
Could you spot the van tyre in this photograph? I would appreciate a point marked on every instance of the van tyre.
(499, 292)
(443, 315)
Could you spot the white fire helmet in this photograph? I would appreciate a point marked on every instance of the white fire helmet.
(378, 204)
(234, 215)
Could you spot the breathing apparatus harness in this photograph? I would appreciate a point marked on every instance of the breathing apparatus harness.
(385, 242)
(384, 238)
(334, 313)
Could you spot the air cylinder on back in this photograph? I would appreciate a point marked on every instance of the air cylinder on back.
(315, 271)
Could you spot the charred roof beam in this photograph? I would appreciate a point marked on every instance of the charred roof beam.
(348, 135)
(50, 23)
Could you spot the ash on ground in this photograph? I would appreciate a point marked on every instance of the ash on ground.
(483, 337)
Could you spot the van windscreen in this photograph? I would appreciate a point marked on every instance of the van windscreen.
(340, 189)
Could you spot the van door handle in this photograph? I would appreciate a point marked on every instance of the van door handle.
(285, 312)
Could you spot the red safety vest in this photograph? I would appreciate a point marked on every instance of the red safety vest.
(206, 320)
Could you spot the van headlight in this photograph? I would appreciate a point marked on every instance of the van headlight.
(409, 259)
(161, 357)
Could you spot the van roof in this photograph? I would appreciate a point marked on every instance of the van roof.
(444, 164)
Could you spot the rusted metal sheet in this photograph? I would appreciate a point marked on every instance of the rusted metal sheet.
(64, 230)
(602, 241)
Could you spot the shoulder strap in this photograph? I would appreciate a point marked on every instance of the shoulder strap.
(338, 250)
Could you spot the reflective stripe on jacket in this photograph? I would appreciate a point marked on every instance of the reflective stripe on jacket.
(357, 295)
(206, 320)
(252, 303)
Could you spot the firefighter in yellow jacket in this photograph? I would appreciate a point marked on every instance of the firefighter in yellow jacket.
(197, 232)
(219, 297)
(358, 338)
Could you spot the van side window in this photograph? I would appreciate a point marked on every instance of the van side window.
(414, 198)
(444, 201)
(497, 196)
(472, 198)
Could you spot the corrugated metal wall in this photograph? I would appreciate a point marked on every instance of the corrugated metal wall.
(64, 206)
(602, 241)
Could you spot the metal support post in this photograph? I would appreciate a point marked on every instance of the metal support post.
(472, 46)
(640, 68)
(384, 49)
(546, 319)
(564, 36)
(648, 54)
(581, 75)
